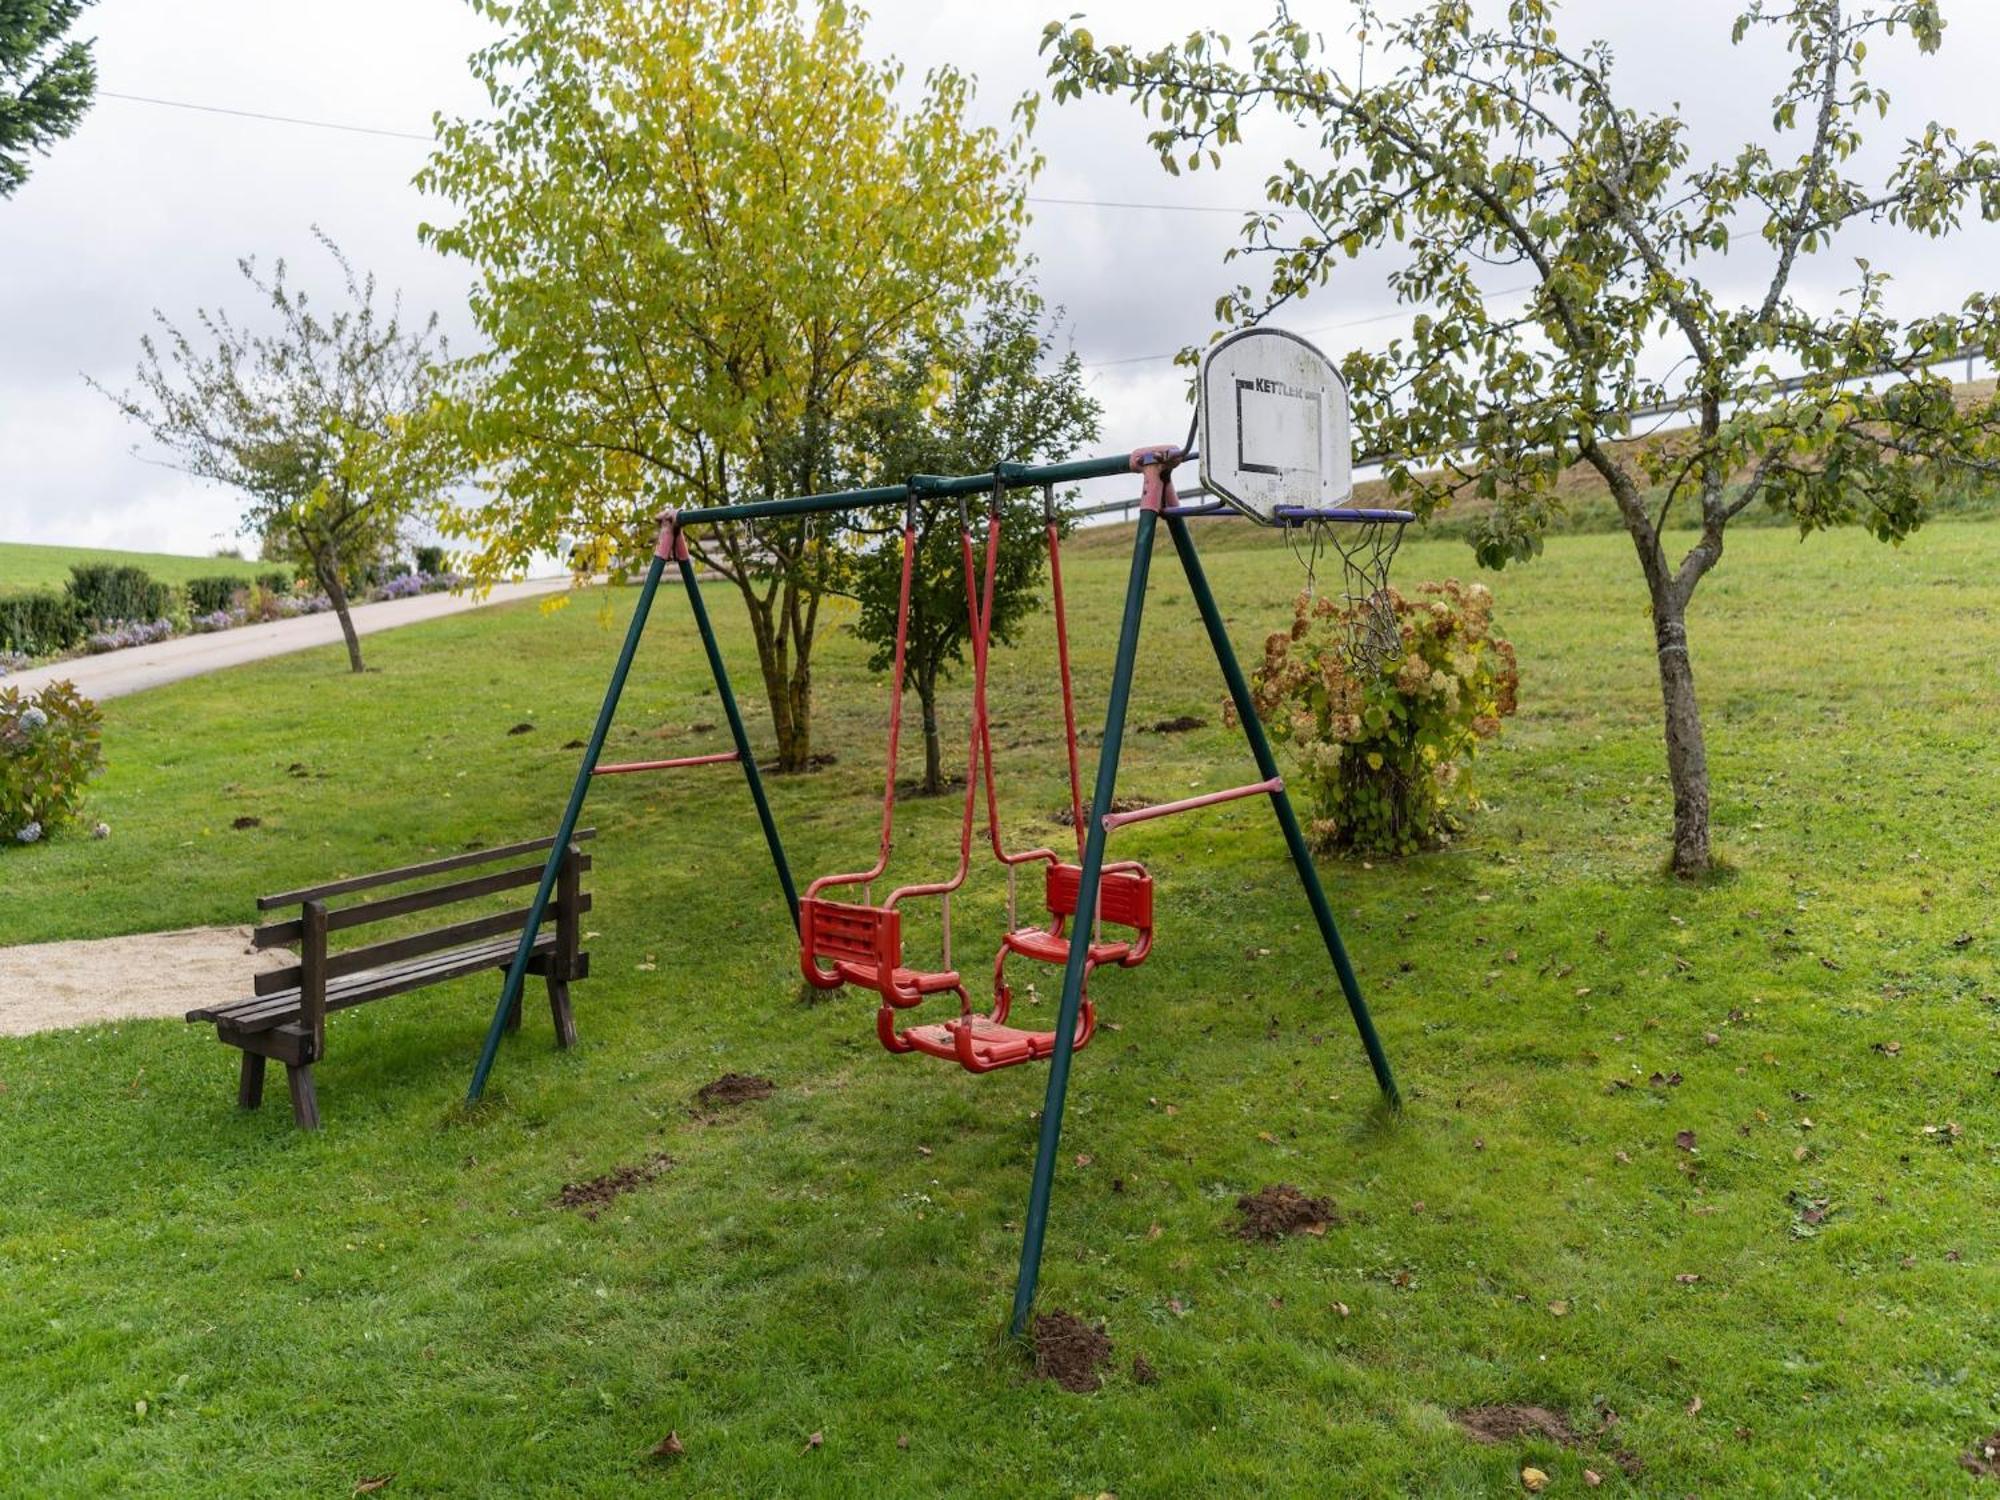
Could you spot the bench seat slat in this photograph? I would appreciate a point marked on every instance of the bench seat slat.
(263, 1012)
(394, 950)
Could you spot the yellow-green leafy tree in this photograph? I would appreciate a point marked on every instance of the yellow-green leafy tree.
(699, 228)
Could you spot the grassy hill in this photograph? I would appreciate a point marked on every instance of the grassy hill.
(27, 565)
(1706, 1171)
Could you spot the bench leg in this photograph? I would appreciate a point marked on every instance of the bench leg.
(305, 1101)
(514, 1015)
(250, 1081)
(559, 1009)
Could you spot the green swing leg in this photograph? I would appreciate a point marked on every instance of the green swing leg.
(1267, 766)
(517, 971)
(1081, 924)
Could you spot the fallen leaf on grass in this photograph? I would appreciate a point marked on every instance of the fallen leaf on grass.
(1559, 1309)
(818, 1439)
(1889, 1049)
(1684, 1139)
(1694, 1407)
(1687, 1278)
(903, 1441)
(1533, 1480)
(370, 1486)
(669, 1446)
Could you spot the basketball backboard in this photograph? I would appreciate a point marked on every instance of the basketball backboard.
(1274, 425)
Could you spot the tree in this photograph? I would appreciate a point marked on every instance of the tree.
(1472, 146)
(327, 425)
(699, 227)
(957, 403)
(46, 83)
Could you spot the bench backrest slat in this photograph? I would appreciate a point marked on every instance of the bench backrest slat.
(374, 955)
(286, 933)
(412, 872)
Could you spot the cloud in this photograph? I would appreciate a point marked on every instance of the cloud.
(150, 207)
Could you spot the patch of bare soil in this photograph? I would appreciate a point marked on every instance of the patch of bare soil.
(1505, 1424)
(1180, 725)
(733, 1088)
(246, 821)
(1070, 1351)
(1273, 1212)
(1118, 805)
(915, 788)
(1143, 1372)
(524, 727)
(1982, 1459)
(591, 1198)
(44, 986)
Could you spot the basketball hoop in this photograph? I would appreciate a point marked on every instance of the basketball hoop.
(1277, 445)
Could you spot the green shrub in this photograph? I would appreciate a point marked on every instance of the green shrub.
(207, 596)
(105, 592)
(276, 583)
(49, 750)
(431, 560)
(39, 624)
(1384, 756)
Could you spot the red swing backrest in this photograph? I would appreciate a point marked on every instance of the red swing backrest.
(841, 930)
(1124, 897)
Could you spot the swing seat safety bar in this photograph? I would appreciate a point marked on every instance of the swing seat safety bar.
(626, 768)
(1266, 788)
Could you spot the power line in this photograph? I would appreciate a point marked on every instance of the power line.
(251, 114)
(410, 135)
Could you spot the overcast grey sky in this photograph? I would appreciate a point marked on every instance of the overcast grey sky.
(149, 206)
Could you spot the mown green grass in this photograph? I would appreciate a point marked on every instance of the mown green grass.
(26, 565)
(398, 1295)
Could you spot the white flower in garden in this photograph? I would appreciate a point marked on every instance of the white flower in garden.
(101, 831)
(29, 833)
(33, 718)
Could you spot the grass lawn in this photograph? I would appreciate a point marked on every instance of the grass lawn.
(26, 565)
(1798, 1297)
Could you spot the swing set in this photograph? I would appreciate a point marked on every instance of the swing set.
(1274, 445)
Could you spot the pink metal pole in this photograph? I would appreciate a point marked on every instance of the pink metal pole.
(626, 767)
(1189, 804)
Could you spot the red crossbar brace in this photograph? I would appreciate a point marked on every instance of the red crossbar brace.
(1188, 804)
(666, 765)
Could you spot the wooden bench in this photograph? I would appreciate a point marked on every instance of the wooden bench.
(285, 1016)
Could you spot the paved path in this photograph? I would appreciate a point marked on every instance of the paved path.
(116, 673)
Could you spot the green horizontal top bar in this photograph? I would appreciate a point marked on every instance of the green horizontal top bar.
(1021, 475)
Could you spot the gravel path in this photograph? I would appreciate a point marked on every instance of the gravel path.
(46, 986)
(136, 668)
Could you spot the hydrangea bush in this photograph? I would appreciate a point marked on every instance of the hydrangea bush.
(1383, 758)
(49, 750)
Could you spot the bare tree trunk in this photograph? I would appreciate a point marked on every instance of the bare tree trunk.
(1687, 747)
(336, 593)
(933, 746)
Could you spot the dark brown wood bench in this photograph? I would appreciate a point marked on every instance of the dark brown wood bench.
(285, 1016)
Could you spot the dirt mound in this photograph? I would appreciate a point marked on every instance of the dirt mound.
(733, 1088)
(592, 1196)
(1982, 1459)
(1180, 725)
(1504, 1424)
(1118, 805)
(524, 727)
(1273, 1212)
(1070, 1351)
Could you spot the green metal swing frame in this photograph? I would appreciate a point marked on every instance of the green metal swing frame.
(1159, 504)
